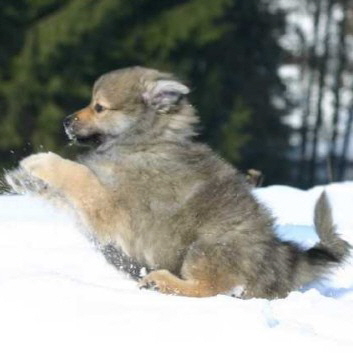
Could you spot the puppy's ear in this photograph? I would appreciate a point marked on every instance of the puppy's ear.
(164, 94)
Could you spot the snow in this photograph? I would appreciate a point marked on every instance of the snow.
(58, 293)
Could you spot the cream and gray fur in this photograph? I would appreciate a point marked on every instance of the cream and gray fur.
(169, 204)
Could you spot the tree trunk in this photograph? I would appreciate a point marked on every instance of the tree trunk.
(346, 143)
(322, 82)
(312, 65)
(337, 90)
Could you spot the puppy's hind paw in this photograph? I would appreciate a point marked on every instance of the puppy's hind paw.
(160, 280)
(148, 285)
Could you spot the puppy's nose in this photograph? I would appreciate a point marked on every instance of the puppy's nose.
(68, 120)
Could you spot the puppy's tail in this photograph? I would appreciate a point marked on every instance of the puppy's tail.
(331, 250)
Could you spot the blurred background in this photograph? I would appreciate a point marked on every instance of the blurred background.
(271, 79)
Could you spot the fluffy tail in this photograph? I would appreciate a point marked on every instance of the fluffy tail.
(331, 250)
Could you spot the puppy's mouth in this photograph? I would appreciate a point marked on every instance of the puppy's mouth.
(92, 140)
(88, 140)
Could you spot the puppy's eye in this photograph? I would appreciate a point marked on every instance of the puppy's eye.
(98, 108)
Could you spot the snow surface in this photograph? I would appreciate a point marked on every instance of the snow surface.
(58, 294)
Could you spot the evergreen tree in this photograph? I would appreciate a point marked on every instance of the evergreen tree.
(227, 49)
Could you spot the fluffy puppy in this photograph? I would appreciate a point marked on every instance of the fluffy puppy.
(167, 203)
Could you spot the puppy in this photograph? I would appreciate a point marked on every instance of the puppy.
(167, 203)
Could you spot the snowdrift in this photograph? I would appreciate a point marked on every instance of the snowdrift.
(59, 294)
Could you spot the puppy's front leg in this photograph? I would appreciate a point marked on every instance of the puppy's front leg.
(75, 181)
(78, 185)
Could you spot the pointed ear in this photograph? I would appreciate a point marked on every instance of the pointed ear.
(164, 94)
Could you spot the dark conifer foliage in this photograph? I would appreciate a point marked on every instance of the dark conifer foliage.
(228, 50)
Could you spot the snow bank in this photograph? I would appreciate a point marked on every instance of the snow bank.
(58, 294)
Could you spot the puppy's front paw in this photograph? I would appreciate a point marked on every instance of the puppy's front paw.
(35, 173)
(20, 182)
(43, 167)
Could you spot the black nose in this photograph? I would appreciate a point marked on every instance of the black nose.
(68, 120)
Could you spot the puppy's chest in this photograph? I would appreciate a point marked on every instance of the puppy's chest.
(148, 184)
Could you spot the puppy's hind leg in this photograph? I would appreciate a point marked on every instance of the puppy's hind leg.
(205, 273)
(167, 283)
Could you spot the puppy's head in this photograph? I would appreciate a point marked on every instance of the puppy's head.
(133, 104)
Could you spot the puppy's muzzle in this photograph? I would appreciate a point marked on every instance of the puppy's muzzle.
(69, 120)
(69, 125)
